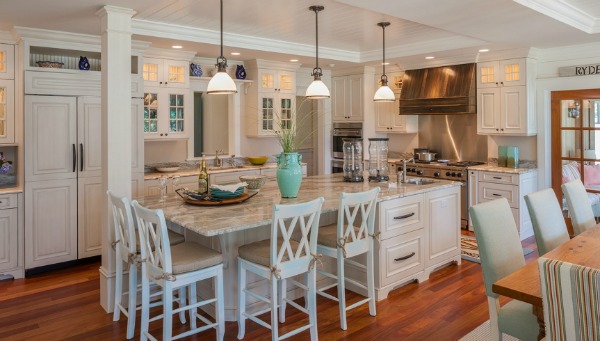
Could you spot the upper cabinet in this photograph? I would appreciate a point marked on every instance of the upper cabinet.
(347, 94)
(506, 97)
(165, 73)
(166, 113)
(7, 94)
(388, 115)
(271, 100)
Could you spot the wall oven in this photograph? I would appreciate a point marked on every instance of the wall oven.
(340, 132)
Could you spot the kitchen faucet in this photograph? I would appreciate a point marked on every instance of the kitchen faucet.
(404, 162)
(232, 162)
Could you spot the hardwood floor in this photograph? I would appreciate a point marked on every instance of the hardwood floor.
(64, 305)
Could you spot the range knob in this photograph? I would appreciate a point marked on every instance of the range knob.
(419, 172)
(459, 175)
(436, 174)
(447, 173)
(453, 174)
(413, 170)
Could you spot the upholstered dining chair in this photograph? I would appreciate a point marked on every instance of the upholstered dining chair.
(127, 251)
(570, 296)
(549, 225)
(501, 254)
(291, 251)
(172, 268)
(350, 236)
(582, 215)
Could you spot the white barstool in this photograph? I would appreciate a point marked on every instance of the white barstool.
(278, 259)
(127, 248)
(344, 240)
(173, 267)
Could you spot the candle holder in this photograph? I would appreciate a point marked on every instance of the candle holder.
(378, 159)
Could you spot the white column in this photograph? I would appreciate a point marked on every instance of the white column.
(116, 129)
(235, 117)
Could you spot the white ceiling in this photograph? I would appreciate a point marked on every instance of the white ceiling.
(281, 30)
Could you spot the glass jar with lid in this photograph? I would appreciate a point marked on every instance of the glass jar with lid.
(378, 159)
(353, 160)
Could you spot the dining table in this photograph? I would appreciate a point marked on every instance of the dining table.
(524, 284)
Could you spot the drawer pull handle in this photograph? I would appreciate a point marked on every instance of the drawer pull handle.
(497, 177)
(404, 216)
(497, 195)
(404, 257)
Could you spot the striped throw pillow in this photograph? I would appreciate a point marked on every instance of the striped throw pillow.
(570, 172)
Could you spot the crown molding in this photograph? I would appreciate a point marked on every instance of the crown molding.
(269, 64)
(49, 37)
(572, 52)
(565, 13)
(7, 38)
(199, 35)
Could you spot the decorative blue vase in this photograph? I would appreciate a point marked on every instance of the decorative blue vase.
(195, 70)
(240, 72)
(84, 64)
(289, 174)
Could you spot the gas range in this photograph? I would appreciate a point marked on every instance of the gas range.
(456, 170)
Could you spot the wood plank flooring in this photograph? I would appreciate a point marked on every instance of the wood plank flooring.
(64, 305)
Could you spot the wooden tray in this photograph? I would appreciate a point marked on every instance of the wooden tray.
(236, 200)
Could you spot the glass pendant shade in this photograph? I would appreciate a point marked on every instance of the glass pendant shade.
(384, 93)
(317, 89)
(221, 83)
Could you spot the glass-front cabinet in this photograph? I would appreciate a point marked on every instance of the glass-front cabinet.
(165, 73)
(7, 61)
(275, 113)
(165, 113)
(7, 111)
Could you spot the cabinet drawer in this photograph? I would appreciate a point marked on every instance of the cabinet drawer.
(500, 178)
(491, 191)
(399, 216)
(400, 257)
(8, 200)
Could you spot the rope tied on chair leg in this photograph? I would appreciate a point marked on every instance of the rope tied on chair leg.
(276, 272)
(114, 244)
(376, 236)
(133, 258)
(315, 258)
(137, 261)
(342, 245)
(167, 276)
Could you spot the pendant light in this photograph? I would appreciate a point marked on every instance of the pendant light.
(317, 89)
(221, 83)
(384, 93)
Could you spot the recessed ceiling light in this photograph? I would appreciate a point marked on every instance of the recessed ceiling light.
(235, 53)
(430, 57)
(293, 60)
(177, 46)
(484, 50)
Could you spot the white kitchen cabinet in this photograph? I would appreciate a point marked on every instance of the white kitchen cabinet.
(90, 200)
(165, 73)
(7, 111)
(347, 98)
(166, 113)
(505, 104)
(50, 222)
(7, 61)
(152, 186)
(389, 119)
(513, 187)
(271, 104)
(89, 138)
(230, 177)
(417, 235)
(9, 234)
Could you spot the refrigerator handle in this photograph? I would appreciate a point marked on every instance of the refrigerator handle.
(81, 157)
(74, 158)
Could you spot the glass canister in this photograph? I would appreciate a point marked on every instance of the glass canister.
(353, 160)
(378, 159)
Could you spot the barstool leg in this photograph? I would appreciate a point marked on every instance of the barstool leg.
(312, 303)
(220, 305)
(241, 300)
(341, 289)
(118, 288)
(274, 323)
(168, 311)
(132, 305)
(282, 303)
(193, 300)
(371, 280)
(145, 307)
(182, 303)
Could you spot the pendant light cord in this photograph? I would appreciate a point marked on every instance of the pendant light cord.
(317, 36)
(383, 25)
(222, 28)
(383, 45)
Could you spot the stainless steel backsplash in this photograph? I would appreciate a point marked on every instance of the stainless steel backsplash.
(453, 137)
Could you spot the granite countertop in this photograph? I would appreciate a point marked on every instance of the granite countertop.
(257, 211)
(194, 171)
(494, 168)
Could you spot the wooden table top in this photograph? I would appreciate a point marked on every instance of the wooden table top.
(524, 284)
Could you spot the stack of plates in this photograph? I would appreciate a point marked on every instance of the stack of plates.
(219, 194)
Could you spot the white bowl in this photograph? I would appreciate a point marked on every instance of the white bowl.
(254, 181)
(167, 169)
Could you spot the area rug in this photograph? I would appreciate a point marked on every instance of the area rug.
(470, 252)
(483, 333)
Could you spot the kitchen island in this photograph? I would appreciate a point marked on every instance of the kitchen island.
(417, 227)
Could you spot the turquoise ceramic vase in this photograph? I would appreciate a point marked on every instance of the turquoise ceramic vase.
(289, 174)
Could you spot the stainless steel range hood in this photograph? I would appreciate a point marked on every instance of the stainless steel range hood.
(441, 90)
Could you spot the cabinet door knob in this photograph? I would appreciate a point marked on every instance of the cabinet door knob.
(166, 134)
(497, 129)
(502, 129)
(501, 83)
(161, 134)
(496, 83)
(160, 82)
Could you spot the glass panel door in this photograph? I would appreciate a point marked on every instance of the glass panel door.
(3, 110)
(150, 112)
(176, 113)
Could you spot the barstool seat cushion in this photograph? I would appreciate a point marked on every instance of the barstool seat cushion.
(189, 256)
(328, 235)
(174, 239)
(260, 252)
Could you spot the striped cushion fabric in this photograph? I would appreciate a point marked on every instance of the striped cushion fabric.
(571, 303)
(570, 172)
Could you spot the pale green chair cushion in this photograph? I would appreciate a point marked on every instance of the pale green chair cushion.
(548, 222)
(189, 256)
(580, 210)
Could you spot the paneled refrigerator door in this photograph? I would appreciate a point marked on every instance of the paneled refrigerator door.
(89, 138)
